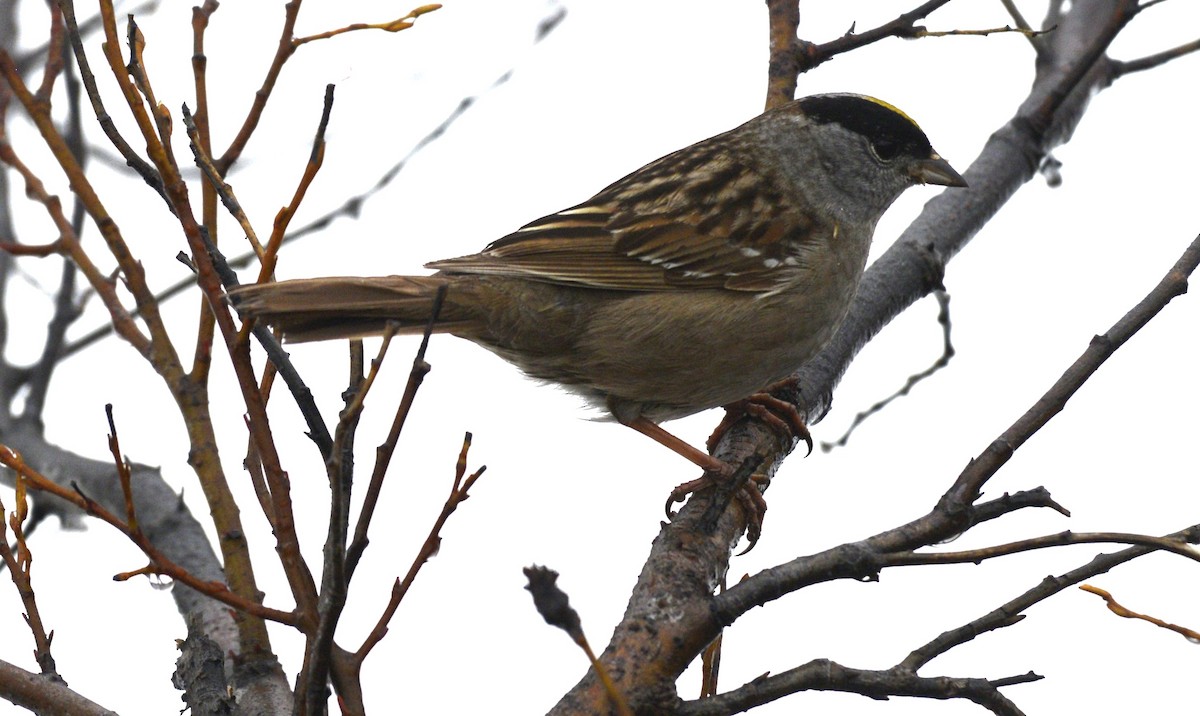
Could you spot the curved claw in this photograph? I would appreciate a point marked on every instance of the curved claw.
(790, 427)
(748, 495)
(675, 496)
(780, 415)
(681, 491)
(756, 509)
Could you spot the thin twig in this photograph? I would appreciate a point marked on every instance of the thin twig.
(132, 159)
(976, 556)
(809, 54)
(826, 675)
(396, 25)
(1116, 608)
(459, 492)
(283, 51)
(318, 431)
(1149, 62)
(1101, 348)
(124, 474)
(383, 453)
(1006, 29)
(1012, 612)
(339, 466)
(943, 318)
(283, 219)
(19, 563)
(159, 563)
(99, 281)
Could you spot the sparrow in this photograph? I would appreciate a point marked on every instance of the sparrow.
(692, 283)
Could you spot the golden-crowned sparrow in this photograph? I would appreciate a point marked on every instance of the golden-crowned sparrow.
(692, 283)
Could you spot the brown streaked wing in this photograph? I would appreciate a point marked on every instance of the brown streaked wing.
(699, 218)
(572, 247)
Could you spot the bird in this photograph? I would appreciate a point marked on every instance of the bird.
(692, 283)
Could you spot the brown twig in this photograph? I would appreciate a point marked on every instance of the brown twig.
(1102, 347)
(783, 21)
(316, 157)
(19, 564)
(1115, 607)
(339, 466)
(41, 251)
(283, 51)
(98, 280)
(809, 55)
(217, 182)
(44, 696)
(459, 492)
(976, 556)
(132, 159)
(226, 278)
(1012, 611)
(166, 361)
(383, 453)
(159, 563)
(54, 57)
(123, 471)
(1027, 32)
(206, 320)
(254, 467)
(826, 675)
(396, 25)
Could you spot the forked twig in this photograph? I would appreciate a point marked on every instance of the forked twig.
(459, 492)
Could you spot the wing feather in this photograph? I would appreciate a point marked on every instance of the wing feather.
(707, 216)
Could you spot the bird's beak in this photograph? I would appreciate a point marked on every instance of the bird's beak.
(936, 170)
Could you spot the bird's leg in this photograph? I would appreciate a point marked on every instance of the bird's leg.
(749, 495)
(780, 415)
(658, 434)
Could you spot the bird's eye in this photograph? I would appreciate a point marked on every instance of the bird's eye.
(886, 149)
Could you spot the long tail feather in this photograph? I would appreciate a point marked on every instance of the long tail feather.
(326, 308)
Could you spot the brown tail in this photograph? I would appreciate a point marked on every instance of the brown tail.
(323, 308)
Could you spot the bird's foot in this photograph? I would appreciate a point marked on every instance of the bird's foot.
(780, 415)
(749, 495)
(717, 473)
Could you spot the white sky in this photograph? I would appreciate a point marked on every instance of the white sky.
(617, 85)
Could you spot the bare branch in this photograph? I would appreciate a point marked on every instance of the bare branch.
(1013, 611)
(976, 556)
(1122, 68)
(44, 696)
(826, 675)
(811, 55)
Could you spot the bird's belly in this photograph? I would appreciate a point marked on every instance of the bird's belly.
(677, 353)
(664, 354)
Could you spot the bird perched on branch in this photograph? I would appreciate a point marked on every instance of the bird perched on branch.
(694, 282)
